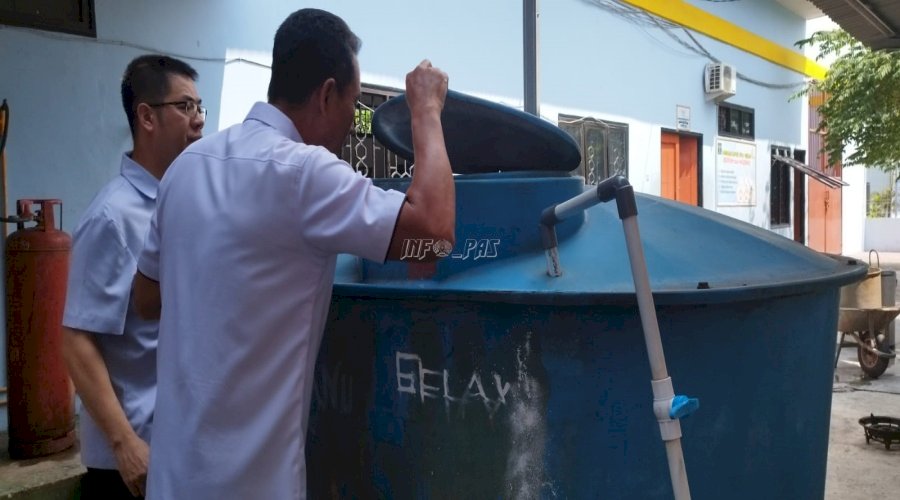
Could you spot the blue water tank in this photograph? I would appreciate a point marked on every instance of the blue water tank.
(481, 376)
(484, 377)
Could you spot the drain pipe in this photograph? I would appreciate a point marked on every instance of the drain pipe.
(667, 407)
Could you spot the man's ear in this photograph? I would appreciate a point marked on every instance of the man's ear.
(144, 117)
(327, 93)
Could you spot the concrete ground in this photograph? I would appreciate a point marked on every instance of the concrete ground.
(856, 470)
(50, 478)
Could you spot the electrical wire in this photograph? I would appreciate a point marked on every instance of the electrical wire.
(740, 75)
(643, 18)
(630, 14)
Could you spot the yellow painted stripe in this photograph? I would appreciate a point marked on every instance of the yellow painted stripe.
(699, 20)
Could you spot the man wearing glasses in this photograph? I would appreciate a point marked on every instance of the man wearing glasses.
(110, 351)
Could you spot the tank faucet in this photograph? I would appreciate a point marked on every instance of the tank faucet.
(616, 187)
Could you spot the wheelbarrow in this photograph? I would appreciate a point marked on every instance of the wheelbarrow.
(865, 316)
(868, 327)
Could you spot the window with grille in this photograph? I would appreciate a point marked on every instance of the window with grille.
(361, 150)
(736, 121)
(603, 146)
(66, 16)
(780, 192)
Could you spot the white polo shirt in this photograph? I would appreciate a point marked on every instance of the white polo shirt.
(244, 242)
(106, 245)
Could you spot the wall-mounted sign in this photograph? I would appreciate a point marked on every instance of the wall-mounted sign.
(682, 117)
(735, 173)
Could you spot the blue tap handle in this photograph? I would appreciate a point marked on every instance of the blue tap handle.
(682, 406)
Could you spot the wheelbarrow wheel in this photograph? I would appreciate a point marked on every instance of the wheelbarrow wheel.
(872, 364)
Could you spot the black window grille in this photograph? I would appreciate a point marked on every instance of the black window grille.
(65, 16)
(603, 146)
(361, 150)
(780, 192)
(736, 121)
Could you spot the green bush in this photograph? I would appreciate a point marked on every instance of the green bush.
(882, 203)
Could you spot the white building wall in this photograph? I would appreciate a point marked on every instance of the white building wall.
(882, 234)
(67, 128)
(854, 210)
(64, 92)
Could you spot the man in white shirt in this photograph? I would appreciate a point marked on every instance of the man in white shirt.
(242, 249)
(109, 350)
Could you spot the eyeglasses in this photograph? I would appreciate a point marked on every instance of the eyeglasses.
(188, 107)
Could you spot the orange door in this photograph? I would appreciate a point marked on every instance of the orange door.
(824, 210)
(824, 217)
(669, 161)
(678, 160)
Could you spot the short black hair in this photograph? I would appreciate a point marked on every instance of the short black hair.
(311, 46)
(146, 79)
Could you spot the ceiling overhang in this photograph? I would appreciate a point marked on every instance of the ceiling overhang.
(802, 8)
(875, 23)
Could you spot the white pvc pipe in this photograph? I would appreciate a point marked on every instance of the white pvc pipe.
(644, 298)
(674, 454)
(577, 204)
(677, 470)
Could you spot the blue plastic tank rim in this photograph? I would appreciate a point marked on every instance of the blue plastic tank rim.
(712, 295)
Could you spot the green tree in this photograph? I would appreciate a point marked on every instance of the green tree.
(882, 203)
(862, 105)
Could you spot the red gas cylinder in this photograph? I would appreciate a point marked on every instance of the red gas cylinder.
(40, 394)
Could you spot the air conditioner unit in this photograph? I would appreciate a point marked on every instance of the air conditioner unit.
(719, 81)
